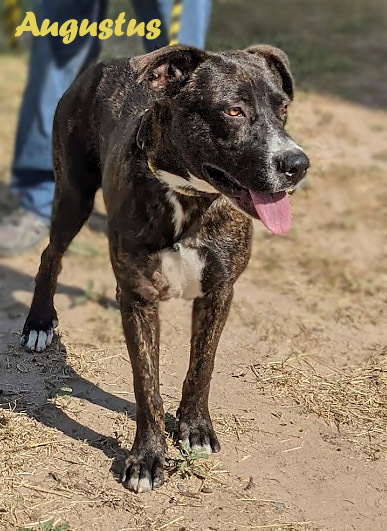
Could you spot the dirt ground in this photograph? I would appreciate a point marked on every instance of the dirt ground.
(299, 391)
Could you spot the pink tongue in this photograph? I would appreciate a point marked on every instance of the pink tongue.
(273, 210)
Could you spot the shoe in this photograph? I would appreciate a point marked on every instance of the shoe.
(21, 231)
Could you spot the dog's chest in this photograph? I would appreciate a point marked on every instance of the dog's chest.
(182, 267)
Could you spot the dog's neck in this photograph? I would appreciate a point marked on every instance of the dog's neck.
(166, 164)
(167, 167)
(175, 182)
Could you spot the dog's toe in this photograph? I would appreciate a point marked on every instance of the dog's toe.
(37, 340)
(199, 437)
(145, 484)
(133, 476)
(205, 448)
(200, 448)
(29, 340)
(143, 474)
(41, 341)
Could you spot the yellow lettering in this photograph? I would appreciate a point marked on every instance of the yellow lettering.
(28, 24)
(120, 21)
(105, 29)
(69, 30)
(133, 28)
(85, 28)
(46, 28)
(153, 28)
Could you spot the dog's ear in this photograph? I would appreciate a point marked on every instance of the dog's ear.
(279, 64)
(169, 67)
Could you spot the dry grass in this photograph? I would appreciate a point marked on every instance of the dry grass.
(291, 526)
(353, 400)
(50, 525)
(24, 444)
(89, 360)
(45, 475)
(232, 425)
(32, 454)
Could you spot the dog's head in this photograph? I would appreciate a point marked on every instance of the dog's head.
(219, 126)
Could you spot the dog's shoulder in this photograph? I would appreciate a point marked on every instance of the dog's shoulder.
(104, 88)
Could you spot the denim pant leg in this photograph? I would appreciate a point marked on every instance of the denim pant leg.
(48, 79)
(194, 21)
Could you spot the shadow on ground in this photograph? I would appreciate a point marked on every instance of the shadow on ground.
(29, 380)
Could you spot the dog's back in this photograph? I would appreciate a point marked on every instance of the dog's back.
(88, 113)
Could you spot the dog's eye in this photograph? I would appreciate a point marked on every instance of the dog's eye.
(283, 112)
(235, 112)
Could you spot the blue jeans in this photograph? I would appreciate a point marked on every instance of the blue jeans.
(54, 66)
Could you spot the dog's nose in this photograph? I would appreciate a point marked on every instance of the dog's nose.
(294, 165)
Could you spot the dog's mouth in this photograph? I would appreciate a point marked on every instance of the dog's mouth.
(273, 209)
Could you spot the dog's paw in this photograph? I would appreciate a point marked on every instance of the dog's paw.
(38, 337)
(198, 435)
(143, 472)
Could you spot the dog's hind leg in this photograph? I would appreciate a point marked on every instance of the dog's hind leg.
(208, 319)
(73, 204)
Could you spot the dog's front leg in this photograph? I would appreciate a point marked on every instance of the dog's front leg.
(208, 319)
(143, 469)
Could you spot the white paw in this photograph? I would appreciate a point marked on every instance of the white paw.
(38, 341)
(140, 485)
(143, 475)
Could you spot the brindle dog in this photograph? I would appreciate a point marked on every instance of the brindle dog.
(188, 146)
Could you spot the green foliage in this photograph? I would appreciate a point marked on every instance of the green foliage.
(83, 249)
(48, 526)
(89, 295)
(186, 463)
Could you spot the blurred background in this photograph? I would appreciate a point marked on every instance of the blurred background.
(337, 47)
(317, 294)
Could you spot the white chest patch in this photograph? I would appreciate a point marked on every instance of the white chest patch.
(183, 269)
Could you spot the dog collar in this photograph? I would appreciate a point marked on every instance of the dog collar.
(179, 189)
